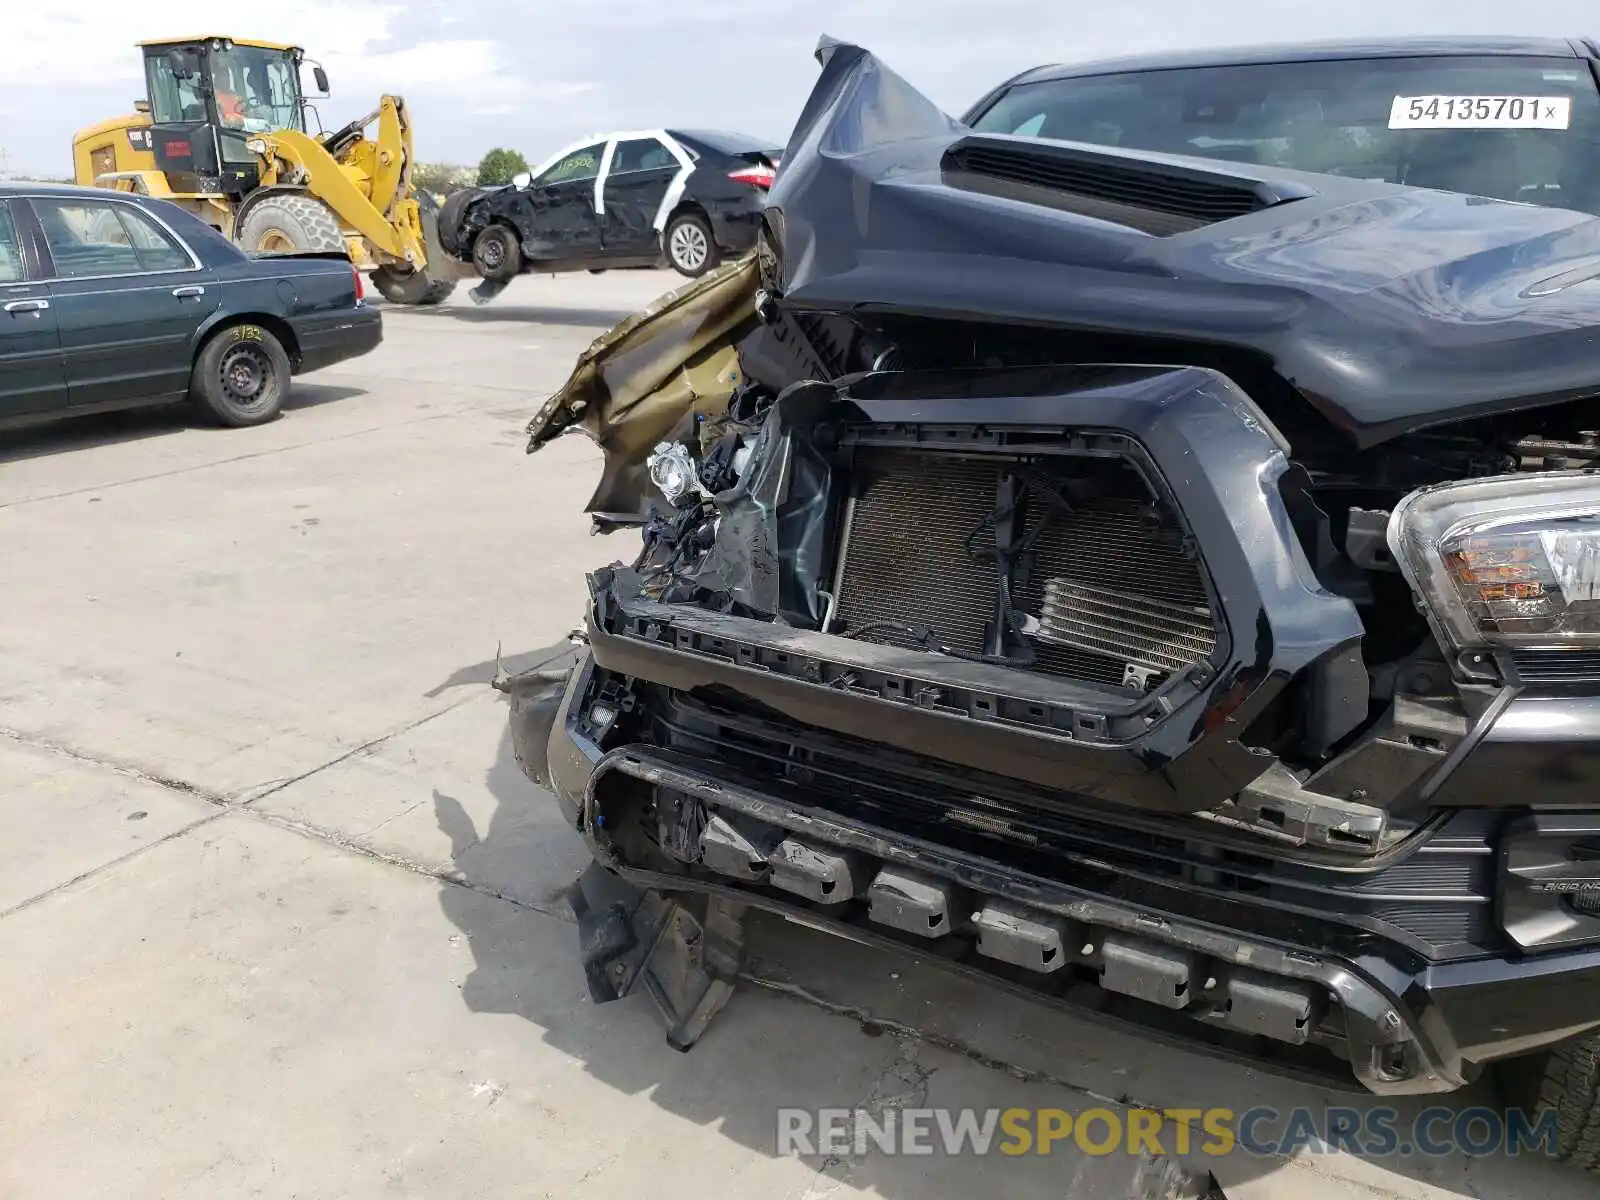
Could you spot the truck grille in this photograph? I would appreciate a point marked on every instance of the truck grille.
(1116, 590)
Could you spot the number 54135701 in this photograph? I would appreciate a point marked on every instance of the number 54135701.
(1481, 112)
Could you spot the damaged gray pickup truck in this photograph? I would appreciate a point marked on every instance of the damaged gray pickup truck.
(1126, 568)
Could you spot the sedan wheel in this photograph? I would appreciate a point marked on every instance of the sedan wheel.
(245, 374)
(690, 248)
(497, 254)
(241, 375)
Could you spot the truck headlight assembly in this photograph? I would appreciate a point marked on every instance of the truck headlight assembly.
(1510, 562)
(673, 472)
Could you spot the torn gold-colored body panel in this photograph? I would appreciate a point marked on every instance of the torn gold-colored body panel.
(647, 378)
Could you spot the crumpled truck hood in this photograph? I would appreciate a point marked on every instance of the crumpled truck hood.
(1389, 308)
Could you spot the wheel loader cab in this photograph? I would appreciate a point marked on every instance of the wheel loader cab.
(222, 133)
(208, 98)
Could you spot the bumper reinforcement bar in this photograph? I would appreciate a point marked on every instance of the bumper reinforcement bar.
(906, 891)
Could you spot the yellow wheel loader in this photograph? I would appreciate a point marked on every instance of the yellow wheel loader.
(223, 132)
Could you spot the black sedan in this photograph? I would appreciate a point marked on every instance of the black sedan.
(110, 300)
(628, 199)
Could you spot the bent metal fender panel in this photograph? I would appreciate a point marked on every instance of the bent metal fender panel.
(644, 378)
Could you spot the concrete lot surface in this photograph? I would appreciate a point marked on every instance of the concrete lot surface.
(280, 917)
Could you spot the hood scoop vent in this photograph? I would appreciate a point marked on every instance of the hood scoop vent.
(1154, 197)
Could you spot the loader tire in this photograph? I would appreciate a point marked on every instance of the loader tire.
(1566, 1080)
(287, 224)
(411, 287)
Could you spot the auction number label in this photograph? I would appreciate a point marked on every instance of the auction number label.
(1480, 112)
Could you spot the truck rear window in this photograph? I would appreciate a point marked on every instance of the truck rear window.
(1522, 129)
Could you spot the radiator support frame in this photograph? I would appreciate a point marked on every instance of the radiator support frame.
(1176, 749)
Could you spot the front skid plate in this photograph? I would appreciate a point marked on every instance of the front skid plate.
(618, 972)
(685, 961)
(1373, 1024)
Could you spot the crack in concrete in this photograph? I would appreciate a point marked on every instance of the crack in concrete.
(112, 864)
(273, 787)
(455, 878)
(399, 816)
(901, 1084)
(126, 769)
(1309, 1164)
(233, 799)
(874, 1026)
(305, 829)
(226, 805)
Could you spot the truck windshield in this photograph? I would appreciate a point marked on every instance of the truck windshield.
(257, 90)
(1524, 129)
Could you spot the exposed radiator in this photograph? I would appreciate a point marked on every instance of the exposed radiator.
(1117, 598)
(1152, 637)
(906, 560)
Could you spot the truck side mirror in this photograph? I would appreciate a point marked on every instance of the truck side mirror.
(321, 77)
(141, 106)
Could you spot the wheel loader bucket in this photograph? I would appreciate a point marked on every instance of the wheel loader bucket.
(437, 279)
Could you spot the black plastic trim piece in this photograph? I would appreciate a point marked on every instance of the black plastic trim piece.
(1459, 752)
(1550, 862)
(1543, 750)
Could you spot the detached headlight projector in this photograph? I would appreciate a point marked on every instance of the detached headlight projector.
(1508, 563)
(673, 472)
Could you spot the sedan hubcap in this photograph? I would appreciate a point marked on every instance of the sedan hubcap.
(245, 372)
(688, 247)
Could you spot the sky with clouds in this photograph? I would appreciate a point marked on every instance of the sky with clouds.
(536, 74)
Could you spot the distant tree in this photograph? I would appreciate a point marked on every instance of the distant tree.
(442, 178)
(500, 166)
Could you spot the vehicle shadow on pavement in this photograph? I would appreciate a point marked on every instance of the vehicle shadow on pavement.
(824, 1023)
(131, 425)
